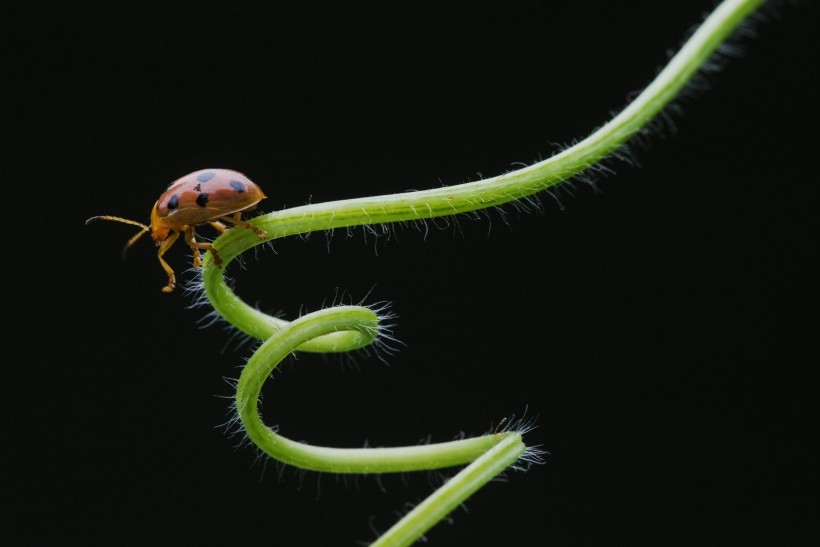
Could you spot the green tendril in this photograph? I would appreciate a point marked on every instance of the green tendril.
(346, 328)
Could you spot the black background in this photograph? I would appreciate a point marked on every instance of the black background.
(661, 330)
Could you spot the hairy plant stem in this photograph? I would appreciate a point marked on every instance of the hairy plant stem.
(346, 328)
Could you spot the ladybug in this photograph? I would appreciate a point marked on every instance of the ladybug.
(209, 196)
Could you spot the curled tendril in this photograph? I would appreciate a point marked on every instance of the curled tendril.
(346, 328)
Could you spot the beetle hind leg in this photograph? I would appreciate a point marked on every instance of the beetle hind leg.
(237, 219)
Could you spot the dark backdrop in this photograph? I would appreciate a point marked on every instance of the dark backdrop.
(661, 331)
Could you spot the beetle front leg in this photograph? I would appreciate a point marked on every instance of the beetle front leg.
(164, 246)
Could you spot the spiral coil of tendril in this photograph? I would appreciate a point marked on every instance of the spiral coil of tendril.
(341, 329)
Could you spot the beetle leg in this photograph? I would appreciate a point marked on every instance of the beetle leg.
(237, 219)
(219, 227)
(190, 239)
(164, 246)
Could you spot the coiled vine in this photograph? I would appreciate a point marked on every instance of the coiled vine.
(346, 328)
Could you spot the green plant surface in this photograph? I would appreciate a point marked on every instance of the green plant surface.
(346, 328)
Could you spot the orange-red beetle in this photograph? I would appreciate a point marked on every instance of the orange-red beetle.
(209, 196)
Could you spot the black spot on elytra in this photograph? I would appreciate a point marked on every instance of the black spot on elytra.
(202, 199)
(206, 176)
(173, 203)
(198, 187)
(238, 186)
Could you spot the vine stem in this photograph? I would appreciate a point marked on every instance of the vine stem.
(346, 328)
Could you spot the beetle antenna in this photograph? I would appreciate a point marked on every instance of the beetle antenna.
(124, 221)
